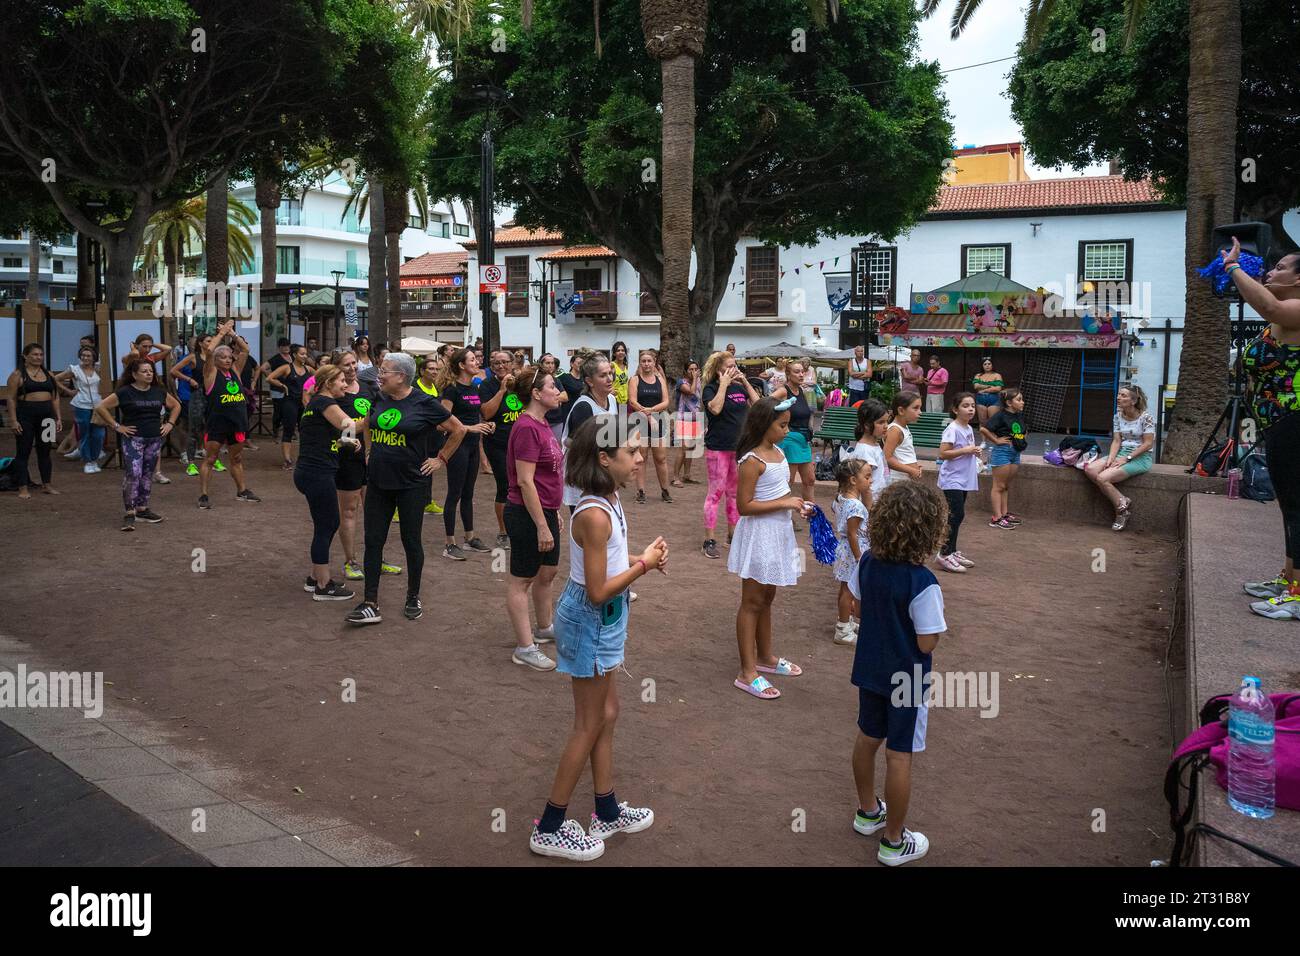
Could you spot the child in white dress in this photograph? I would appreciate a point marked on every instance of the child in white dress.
(851, 506)
(764, 552)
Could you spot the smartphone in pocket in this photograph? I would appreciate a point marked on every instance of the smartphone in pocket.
(611, 611)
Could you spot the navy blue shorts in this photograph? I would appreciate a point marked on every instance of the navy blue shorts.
(902, 726)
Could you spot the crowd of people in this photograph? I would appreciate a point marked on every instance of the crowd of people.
(373, 427)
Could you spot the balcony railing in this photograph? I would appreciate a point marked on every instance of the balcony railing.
(314, 267)
(322, 219)
(416, 312)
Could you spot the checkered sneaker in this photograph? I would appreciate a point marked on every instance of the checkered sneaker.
(569, 842)
(630, 820)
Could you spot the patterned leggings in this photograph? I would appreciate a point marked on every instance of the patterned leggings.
(141, 456)
(722, 484)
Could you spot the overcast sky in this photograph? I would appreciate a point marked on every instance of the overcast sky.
(977, 98)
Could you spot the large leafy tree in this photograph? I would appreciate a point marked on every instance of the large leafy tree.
(1078, 105)
(847, 137)
(125, 97)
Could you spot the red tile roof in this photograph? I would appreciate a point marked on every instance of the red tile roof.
(580, 252)
(435, 264)
(1045, 194)
(512, 235)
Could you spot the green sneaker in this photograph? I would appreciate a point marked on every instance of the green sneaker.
(192, 470)
(390, 568)
(1267, 589)
(395, 518)
(352, 572)
(433, 508)
(218, 466)
(1285, 607)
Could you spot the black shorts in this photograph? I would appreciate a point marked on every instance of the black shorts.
(351, 475)
(224, 433)
(901, 726)
(525, 559)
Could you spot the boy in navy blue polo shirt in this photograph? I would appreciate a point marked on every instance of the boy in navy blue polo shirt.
(901, 620)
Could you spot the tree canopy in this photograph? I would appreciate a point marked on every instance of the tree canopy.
(1128, 103)
(151, 101)
(802, 130)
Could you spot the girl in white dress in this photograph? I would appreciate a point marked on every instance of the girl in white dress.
(869, 433)
(900, 454)
(851, 505)
(763, 552)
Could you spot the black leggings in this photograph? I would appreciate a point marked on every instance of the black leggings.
(409, 504)
(1282, 445)
(956, 514)
(462, 473)
(496, 456)
(323, 503)
(32, 416)
(290, 409)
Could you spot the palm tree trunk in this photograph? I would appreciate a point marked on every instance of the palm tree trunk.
(678, 189)
(396, 213)
(33, 266)
(377, 312)
(1213, 84)
(216, 233)
(172, 255)
(268, 204)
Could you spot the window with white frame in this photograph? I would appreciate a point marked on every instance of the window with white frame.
(976, 259)
(879, 266)
(1106, 261)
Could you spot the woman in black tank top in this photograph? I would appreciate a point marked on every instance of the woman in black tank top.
(291, 377)
(33, 408)
(648, 404)
(227, 412)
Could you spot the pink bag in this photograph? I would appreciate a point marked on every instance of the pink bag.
(1069, 457)
(1210, 743)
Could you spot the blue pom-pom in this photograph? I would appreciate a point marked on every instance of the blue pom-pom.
(823, 536)
(1253, 266)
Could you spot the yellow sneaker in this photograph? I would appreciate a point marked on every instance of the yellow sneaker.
(352, 572)
(390, 568)
(395, 518)
(433, 508)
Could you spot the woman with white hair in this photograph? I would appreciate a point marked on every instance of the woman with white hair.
(226, 400)
(403, 423)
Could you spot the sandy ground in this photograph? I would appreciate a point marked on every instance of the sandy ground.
(447, 737)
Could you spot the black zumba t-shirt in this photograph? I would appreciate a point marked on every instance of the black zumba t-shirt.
(508, 412)
(466, 401)
(318, 440)
(357, 408)
(227, 402)
(724, 427)
(142, 410)
(401, 438)
(573, 388)
(1009, 425)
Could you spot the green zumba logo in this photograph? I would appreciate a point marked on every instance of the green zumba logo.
(232, 387)
(513, 403)
(362, 406)
(389, 419)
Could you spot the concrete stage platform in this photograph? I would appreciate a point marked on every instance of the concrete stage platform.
(1227, 543)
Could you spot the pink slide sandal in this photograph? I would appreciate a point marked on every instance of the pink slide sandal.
(783, 668)
(758, 688)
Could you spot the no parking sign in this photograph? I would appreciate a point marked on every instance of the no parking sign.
(491, 280)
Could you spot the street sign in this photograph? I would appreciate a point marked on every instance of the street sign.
(491, 279)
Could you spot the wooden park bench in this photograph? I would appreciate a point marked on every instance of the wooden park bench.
(928, 430)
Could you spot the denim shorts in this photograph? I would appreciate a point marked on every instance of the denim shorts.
(584, 645)
(1003, 455)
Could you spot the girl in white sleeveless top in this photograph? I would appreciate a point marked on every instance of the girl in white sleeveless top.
(900, 453)
(590, 631)
(763, 552)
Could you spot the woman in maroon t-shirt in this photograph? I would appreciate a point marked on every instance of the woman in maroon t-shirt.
(535, 476)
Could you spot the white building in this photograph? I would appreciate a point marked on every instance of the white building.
(1051, 234)
(57, 265)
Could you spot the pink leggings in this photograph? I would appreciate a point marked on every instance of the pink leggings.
(722, 484)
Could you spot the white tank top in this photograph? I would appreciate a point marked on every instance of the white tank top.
(905, 452)
(573, 495)
(774, 482)
(87, 386)
(616, 561)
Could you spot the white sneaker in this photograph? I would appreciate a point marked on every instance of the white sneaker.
(867, 825)
(532, 657)
(545, 636)
(90, 468)
(964, 561)
(630, 820)
(570, 842)
(74, 455)
(914, 846)
(844, 633)
(949, 563)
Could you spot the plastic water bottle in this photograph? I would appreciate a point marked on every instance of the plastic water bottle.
(1047, 446)
(1234, 482)
(1250, 751)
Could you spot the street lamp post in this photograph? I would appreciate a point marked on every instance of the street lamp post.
(338, 306)
(536, 286)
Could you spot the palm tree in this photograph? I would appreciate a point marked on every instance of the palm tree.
(267, 196)
(377, 298)
(1213, 85)
(33, 266)
(397, 213)
(674, 35)
(216, 232)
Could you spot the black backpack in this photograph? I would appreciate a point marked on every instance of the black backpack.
(1212, 463)
(1255, 481)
